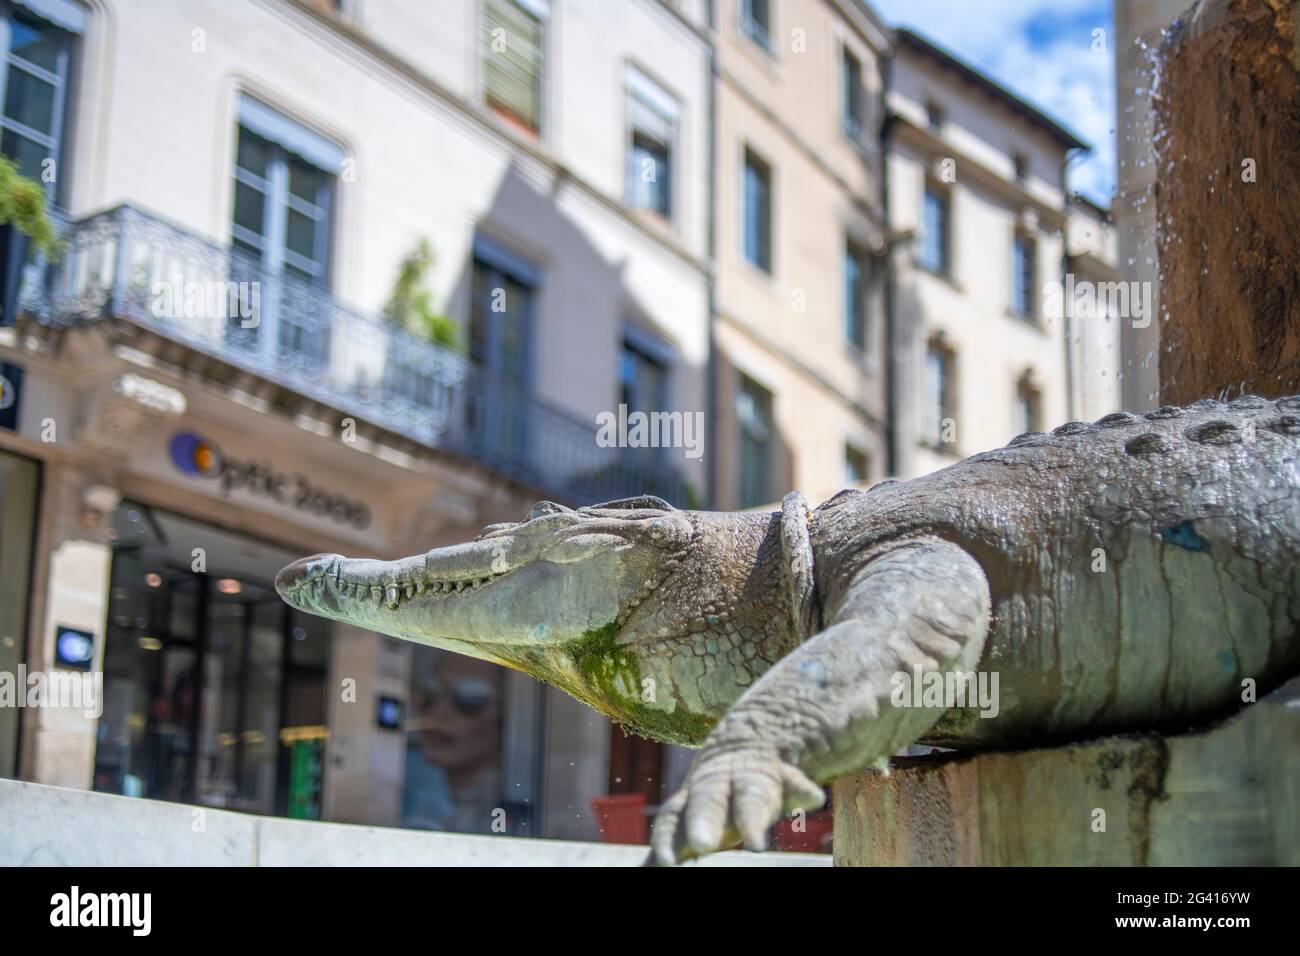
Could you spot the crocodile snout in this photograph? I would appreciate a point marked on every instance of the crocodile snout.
(292, 578)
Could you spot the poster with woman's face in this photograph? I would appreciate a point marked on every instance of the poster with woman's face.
(453, 745)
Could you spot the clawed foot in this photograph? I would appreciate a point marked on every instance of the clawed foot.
(729, 794)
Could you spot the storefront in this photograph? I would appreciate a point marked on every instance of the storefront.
(219, 694)
(214, 687)
(149, 534)
(215, 692)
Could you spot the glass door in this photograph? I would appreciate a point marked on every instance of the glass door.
(500, 348)
(214, 687)
(240, 695)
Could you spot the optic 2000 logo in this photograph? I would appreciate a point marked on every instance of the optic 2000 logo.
(198, 457)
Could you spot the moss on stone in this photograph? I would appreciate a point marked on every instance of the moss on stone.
(612, 675)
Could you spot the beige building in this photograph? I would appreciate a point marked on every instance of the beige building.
(978, 212)
(799, 302)
(209, 383)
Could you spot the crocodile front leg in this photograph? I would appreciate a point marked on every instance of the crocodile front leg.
(825, 709)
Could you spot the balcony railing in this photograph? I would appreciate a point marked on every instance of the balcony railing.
(128, 265)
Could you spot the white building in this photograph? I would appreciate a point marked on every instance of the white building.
(976, 190)
(206, 372)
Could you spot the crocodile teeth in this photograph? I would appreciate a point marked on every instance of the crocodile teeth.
(376, 594)
(391, 596)
(452, 587)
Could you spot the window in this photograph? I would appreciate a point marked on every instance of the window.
(934, 115)
(502, 303)
(34, 86)
(501, 311)
(1029, 402)
(851, 95)
(758, 212)
(857, 466)
(652, 116)
(756, 22)
(939, 405)
(855, 296)
(513, 44)
(754, 412)
(643, 375)
(282, 208)
(280, 228)
(934, 231)
(643, 382)
(34, 58)
(1023, 253)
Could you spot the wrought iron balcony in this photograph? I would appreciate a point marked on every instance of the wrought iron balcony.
(128, 265)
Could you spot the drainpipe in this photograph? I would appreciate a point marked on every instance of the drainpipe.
(1067, 326)
(891, 292)
(1067, 308)
(711, 369)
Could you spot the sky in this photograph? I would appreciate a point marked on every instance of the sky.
(1041, 50)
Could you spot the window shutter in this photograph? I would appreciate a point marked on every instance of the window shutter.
(513, 73)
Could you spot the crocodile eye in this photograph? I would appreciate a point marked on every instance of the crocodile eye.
(545, 508)
(495, 529)
(670, 531)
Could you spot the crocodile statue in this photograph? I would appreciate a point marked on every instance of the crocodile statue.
(1134, 573)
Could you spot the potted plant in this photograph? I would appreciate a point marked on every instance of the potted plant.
(411, 305)
(23, 222)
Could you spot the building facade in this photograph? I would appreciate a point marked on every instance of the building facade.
(322, 291)
(979, 223)
(800, 233)
(366, 276)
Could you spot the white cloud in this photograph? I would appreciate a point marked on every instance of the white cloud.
(1041, 50)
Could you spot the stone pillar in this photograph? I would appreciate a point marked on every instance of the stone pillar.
(62, 739)
(364, 763)
(1226, 796)
(576, 768)
(1228, 202)
(1139, 27)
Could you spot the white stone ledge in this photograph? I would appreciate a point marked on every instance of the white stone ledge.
(53, 826)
